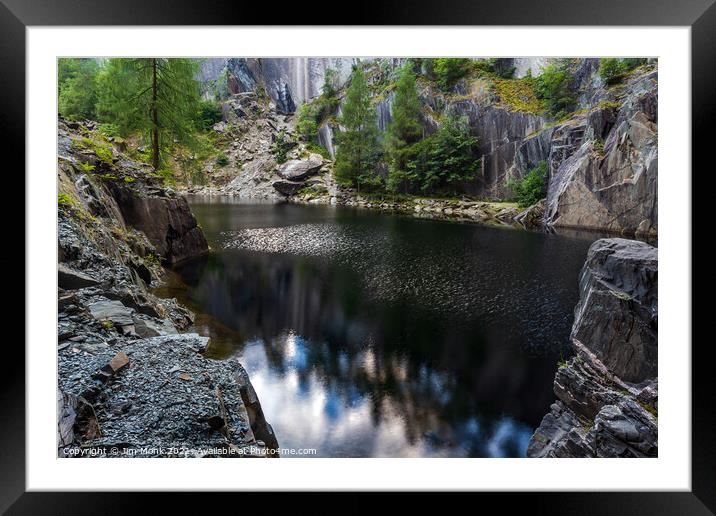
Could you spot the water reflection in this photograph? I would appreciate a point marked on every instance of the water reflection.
(373, 335)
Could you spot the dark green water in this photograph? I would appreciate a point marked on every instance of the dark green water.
(371, 334)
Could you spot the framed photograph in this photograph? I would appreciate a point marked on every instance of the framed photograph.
(420, 256)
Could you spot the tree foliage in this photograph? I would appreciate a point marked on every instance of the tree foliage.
(358, 146)
(555, 86)
(209, 114)
(307, 125)
(312, 114)
(532, 187)
(157, 96)
(222, 85)
(613, 70)
(449, 70)
(77, 87)
(404, 129)
(445, 158)
(502, 67)
(281, 147)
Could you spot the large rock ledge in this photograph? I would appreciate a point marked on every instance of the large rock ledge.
(129, 383)
(608, 392)
(165, 219)
(157, 397)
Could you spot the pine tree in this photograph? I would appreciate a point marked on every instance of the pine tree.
(358, 146)
(404, 129)
(158, 96)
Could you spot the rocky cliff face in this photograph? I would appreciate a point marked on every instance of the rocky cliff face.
(604, 164)
(289, 82)
(603, 159)
(292, 81)
(608, 393)
(129, 383)
(97, 178)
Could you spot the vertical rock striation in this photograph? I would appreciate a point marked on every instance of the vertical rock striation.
(604, 164)
(602, 160)
(289, 82)
(608, 393)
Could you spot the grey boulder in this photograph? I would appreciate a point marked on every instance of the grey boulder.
(287, 187)
(300, 169)
(110, 310)
(532, 217)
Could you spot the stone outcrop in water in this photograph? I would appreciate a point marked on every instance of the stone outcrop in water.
(608, 393)
(164, 217)
(532, 217)
(129, 383)
(617, 311)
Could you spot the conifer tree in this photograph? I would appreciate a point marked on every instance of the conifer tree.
(159, 96)
(404, 129)
(358, 147)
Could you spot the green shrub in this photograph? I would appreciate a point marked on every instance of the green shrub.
(166, 175)
(613, 70)
(307, 126)
(449, 70)
(104, 153)
(318, 149)
(555, 86)
(86, 167)
(152, 259)
(499, 67)
(633, 62)
(64, 201)
(281, 147)
(503, 68)
(518, 95)
(220, 87)
(442, 159)
(109, 130)
(208, 115)
(222, 160)
(599, 146)
(532, 187)
(315, 112)
(102, 150)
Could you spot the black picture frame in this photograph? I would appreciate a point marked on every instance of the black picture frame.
(700, 15)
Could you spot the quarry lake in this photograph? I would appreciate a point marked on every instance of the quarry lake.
(377, 335)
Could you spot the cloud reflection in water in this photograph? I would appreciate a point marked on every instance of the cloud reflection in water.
(375, 335)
